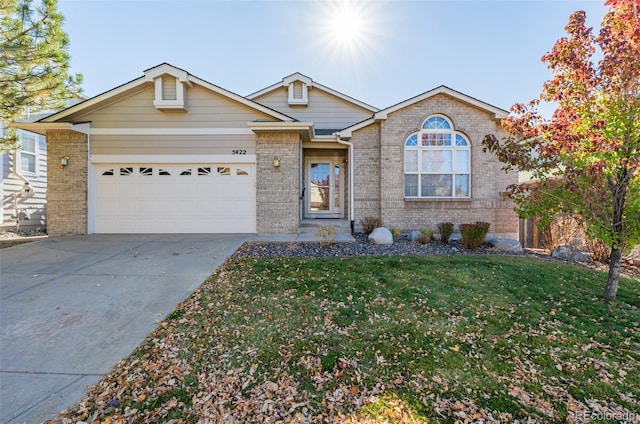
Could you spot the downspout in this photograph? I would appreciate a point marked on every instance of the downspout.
(351, 182)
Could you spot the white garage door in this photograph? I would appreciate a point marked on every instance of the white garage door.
(174, 198)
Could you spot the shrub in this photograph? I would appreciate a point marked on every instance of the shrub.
(328, 234)
(473, 235)
(426, 235)
(598, 250)
(445, 229)
(370, 223)
(396, 233)
(563, 229)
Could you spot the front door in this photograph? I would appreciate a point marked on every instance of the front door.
(324, 186)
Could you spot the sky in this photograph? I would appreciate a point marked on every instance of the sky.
(380, 52)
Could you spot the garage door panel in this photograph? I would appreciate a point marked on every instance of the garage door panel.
(174, 198)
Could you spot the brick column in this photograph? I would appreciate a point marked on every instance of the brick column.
(66, 187)
(278, 189)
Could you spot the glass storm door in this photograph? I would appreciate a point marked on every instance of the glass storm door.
(324, 188)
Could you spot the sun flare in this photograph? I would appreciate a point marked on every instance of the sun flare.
(346, 24)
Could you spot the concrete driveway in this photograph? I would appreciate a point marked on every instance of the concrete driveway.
(72, 307)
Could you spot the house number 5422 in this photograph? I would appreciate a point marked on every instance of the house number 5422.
(239, 152)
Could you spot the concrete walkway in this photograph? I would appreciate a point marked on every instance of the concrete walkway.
(72, 307)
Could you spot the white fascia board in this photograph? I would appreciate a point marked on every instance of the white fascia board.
(284, 83)
(279, 126)
(171, 131)
(95, 100)
(497, 112)
(166, 69)
(42, 127)
(346, 133)
(265, 91)
(297, 77)
(305, 129)
(240, 99)
(170, 159)
(345, 97)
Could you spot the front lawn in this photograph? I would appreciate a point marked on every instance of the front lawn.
(385, 339)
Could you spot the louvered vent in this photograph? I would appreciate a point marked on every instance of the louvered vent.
(169, 90)
(297, 90)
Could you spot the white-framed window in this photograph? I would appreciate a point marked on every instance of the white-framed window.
(27, 154)
(437, 161)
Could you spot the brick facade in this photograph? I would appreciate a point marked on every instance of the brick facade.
(366, 173)
(278, 189)
(380, 173)
(376, 163)
(67, 187)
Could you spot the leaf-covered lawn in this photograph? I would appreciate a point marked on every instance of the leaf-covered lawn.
(394, 339)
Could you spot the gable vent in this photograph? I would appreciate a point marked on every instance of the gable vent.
(297, 90)
(298, 93)
(169, 87)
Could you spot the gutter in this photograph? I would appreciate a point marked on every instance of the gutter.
(351, 182)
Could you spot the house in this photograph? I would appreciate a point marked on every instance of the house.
(172, 153)
(24, 184)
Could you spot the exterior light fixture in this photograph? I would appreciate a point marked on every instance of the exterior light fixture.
(276, 162)
(64, 161)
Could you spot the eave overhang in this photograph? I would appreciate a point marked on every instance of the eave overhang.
(41, 128)
(304, 129)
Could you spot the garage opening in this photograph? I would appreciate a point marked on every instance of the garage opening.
(175, 198)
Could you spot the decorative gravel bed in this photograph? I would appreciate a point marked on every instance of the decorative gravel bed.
(362, 247)
(403, 247)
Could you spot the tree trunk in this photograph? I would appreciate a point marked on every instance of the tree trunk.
(615, 260)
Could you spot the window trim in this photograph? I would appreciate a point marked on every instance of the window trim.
(453, 147)
(20, 152)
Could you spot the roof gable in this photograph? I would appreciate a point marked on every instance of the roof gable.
(150, 75)
(297, 76)
(381, 115)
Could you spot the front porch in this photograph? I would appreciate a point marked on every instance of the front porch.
(309, 227)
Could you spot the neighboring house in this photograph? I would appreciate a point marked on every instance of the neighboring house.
(172, 153)
(24, 184)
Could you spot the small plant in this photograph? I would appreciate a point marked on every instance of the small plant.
(598, 250)
(473, 235)
(426, 235)
(445, 229)
(396, 233)
(328, 234)
(370, 223)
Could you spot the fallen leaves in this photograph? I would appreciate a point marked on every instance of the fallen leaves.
(278, 341)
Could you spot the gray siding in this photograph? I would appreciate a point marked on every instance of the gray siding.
(325, 110)
(206, 109)
(171, 144)
(34, 206)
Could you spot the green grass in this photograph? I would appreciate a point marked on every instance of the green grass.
(7, 244)
(393, 339)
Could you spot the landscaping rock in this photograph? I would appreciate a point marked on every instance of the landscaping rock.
(381, 235)
(506, 245)
(567, 252)
(415, 235)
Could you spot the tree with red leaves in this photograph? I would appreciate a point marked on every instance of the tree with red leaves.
(585, 159)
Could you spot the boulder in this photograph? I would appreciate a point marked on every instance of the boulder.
(381, 235)
(506, 245)
(567, 252)
(414, 235)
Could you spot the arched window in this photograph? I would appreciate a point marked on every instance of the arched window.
(437, 161)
